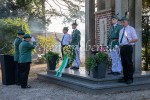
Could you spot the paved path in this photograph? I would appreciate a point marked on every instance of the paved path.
(44, 91)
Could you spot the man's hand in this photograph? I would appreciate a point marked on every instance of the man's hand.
(57, 37)
(133, 41)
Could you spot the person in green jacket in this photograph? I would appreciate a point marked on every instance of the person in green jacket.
(17, 42)
(75, 42)
(25, 59)
(113, 45)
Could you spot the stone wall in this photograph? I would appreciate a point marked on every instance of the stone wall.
(101, 15)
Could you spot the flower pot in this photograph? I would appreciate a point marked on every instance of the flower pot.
(51, 64)
(99, 71)
(8, 69)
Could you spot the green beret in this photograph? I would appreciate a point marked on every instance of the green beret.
(26, 36)
(65, 28)
(20, 32)
(115, 17)
(124, 19)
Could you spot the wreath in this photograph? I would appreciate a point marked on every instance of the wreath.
(70, 52)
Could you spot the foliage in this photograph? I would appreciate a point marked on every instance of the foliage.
(47, 43)
(8, 32)
(146, 6)
(94, 60)
(41, 11)
(91, 62)
(146, 42)
(49, 56)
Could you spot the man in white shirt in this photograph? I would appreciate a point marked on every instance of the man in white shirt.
(65, 39)
(127, 38)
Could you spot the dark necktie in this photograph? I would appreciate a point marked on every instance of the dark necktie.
(62, 40)
(122, 35)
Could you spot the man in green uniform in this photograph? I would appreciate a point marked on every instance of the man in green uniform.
(17, 42)
(25, 49)
(113, 45)
(75, 42)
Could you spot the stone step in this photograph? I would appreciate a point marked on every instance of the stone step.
(114, 79)
(91, 87)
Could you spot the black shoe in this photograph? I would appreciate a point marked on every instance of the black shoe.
(129, 82)
(76, 68)
(72, 67)
(122, 80)
(28, 86)
(18, 84)
(117, 73)
(111, 73)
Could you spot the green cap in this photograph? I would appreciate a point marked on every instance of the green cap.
(124, 18)
(20, 32)
(65, 28)
(26, 36)
(115, 17)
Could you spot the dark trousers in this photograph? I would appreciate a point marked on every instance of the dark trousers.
(17, 72)
(24, 69)
(127, 63)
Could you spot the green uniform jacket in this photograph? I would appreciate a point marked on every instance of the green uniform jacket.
(76, 37)
(16, 48)
(25, 49)
(113, 36)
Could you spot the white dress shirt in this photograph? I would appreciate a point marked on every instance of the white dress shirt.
(129, 35)
(66, 39)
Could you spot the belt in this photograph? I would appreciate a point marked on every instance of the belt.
(125, 45)
(64, 45)
(114, 38)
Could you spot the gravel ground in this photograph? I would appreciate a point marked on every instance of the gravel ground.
(45, 91)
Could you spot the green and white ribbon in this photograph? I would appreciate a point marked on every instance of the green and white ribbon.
(62, 67)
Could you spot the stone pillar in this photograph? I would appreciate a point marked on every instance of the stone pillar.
(138, 27)
(89, 25)
(132, 12)
(110, 4)
(124, 7)
(107, 4)
(100, 4)
(118, 7)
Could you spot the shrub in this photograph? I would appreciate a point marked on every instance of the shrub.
(8, 32)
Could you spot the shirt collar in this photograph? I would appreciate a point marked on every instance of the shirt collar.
(126, 26)
(65, 33)
(115, 24)
(74, 29)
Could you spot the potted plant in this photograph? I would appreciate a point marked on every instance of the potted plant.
(52, 59)
(97, 65)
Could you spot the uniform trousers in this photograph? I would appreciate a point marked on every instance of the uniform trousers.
(24, 69)
(77, 58)
(116, 61)
(17, 72)
(127, 63)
